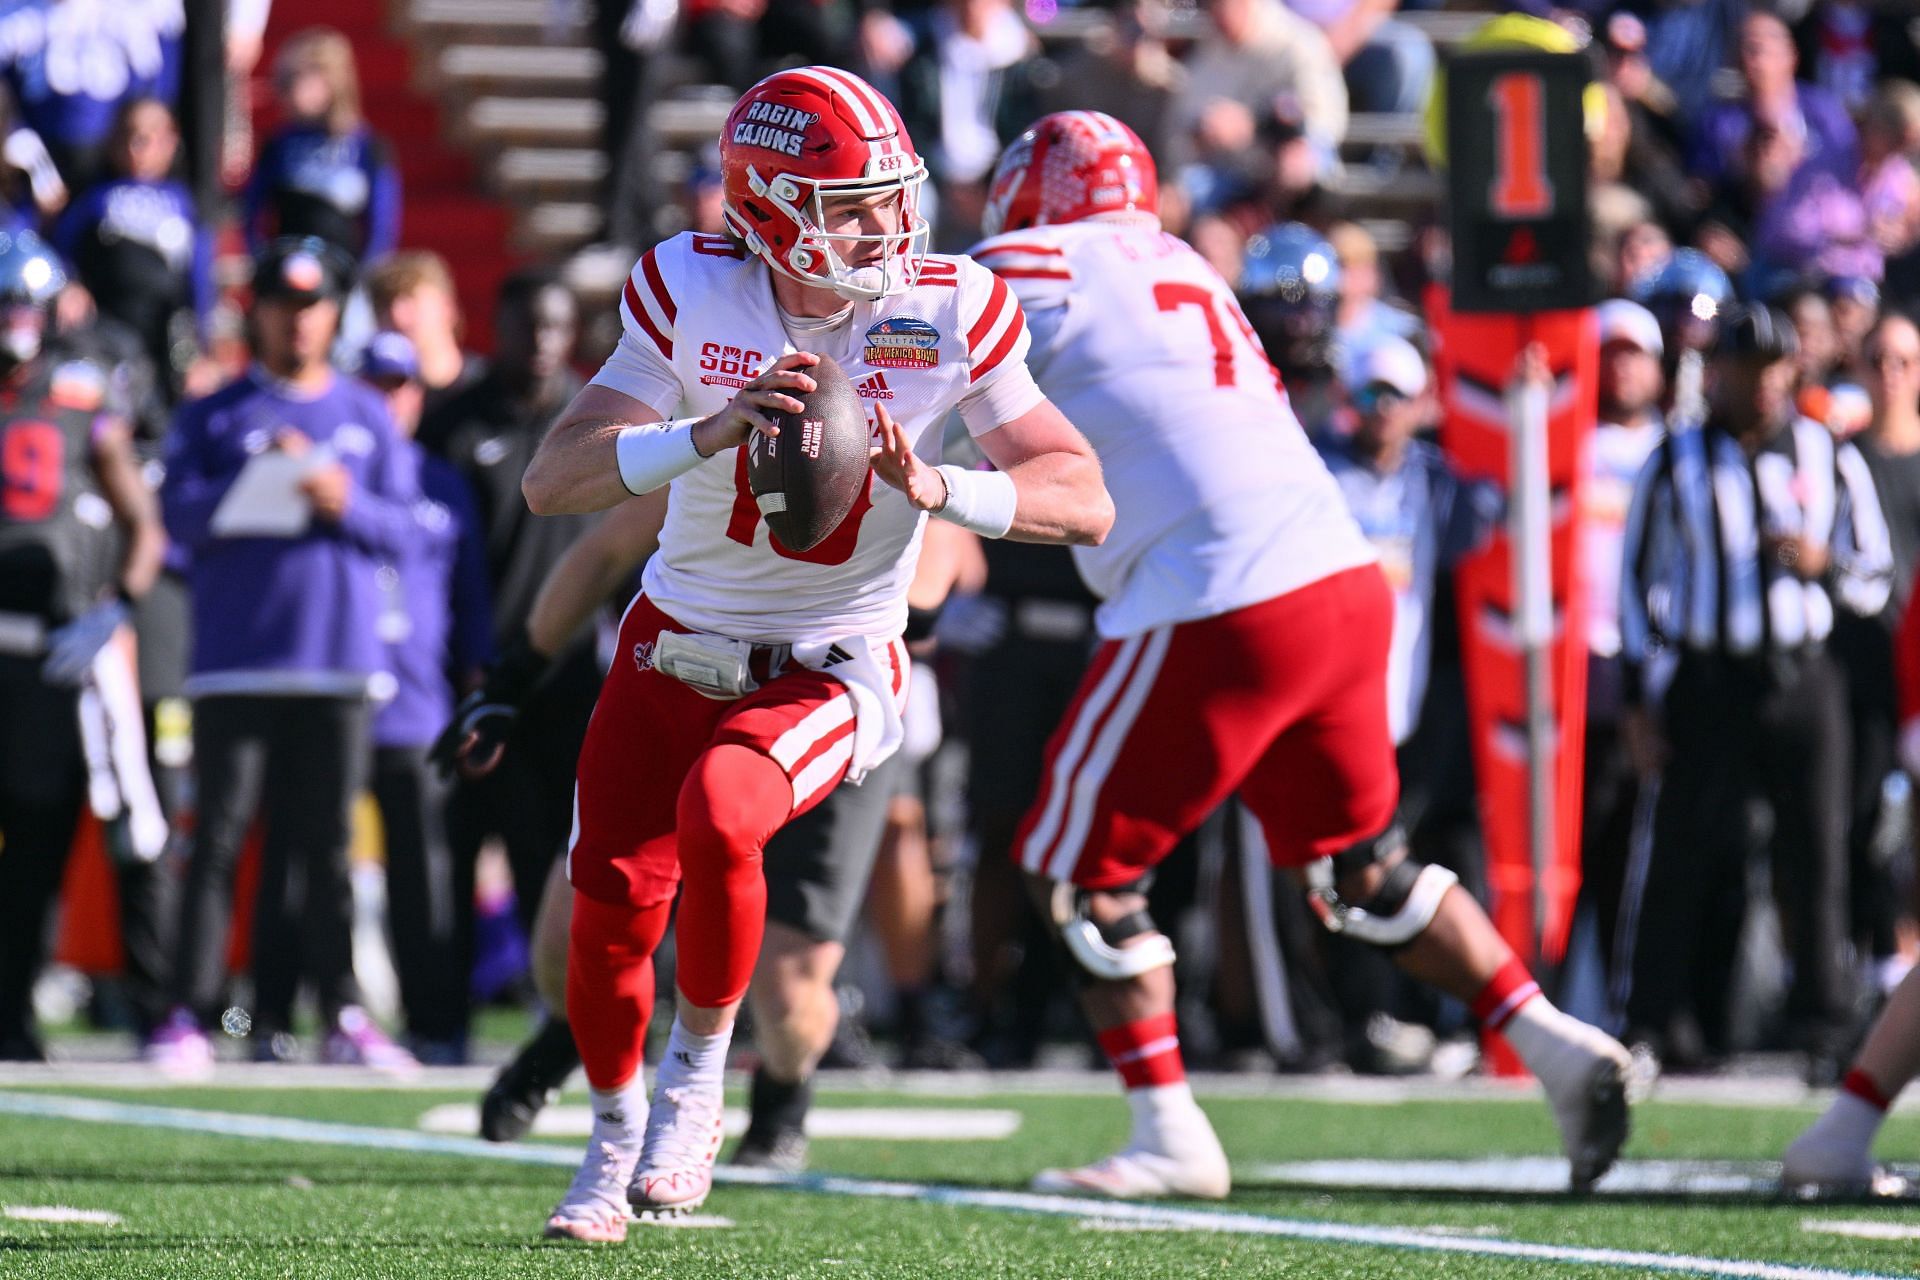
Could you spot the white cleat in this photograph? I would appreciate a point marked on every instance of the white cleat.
(595, 1206)
(1177, 1158)
(1589, 1101)
(1139, 1175)
(675, 1171)
(1817, 1166)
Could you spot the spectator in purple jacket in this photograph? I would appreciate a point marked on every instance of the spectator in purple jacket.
(438, 624)
(289, 489)
(1806, 113)
(1808, 219)
(325, 173)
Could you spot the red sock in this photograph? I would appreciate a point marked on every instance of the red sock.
(733, 800)
(610, 984)
(1503, 995)
(1146, 1052)
(1861, 1085)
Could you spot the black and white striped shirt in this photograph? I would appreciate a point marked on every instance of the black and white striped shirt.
(1695, 575)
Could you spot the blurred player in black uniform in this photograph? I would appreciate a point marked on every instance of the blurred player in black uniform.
(1031, 634)
(80, 541)
(489, 432)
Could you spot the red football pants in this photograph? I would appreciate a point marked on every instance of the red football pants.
(674, 783)
(1284, 701)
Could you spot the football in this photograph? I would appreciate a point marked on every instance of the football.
(805, 482)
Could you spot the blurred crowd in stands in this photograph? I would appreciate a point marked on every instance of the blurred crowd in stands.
(1756, 214)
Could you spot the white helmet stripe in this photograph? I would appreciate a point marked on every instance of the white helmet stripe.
(876, 103)
(862, 116)
(876, 115)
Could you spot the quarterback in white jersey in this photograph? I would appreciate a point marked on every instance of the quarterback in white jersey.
(700, 322)
(1247, 628)
(750, 678)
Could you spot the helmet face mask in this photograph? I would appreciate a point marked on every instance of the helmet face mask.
(797, 150)
(23, 330)
(31, 277)
(819, 255)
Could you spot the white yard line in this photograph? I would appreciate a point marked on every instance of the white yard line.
(1219, 1220)
(1509, 1175)
(893, 1124)
(59, 1213)
(1863, 1230)
(1540, 1175)
(1738, 1092)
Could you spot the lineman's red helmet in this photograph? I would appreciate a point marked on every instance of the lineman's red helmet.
(1068, 166)
(811, 132)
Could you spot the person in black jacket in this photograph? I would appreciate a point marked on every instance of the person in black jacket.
(489, 432)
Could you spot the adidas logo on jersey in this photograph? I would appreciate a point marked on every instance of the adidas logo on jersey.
(873, 387)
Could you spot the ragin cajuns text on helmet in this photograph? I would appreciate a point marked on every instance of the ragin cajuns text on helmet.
(810, 134)
(1068, 166)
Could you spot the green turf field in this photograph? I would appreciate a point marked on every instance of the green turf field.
(191, 1204)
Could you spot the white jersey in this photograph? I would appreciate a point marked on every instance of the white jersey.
(700, 322)
(1220, 500)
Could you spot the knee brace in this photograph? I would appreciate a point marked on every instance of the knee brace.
(1099, 949)
(1398, 911)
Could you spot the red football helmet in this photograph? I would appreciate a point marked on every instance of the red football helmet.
(1068, 166)
(813, 132)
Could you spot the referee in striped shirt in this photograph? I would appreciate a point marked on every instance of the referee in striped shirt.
(1743, 539)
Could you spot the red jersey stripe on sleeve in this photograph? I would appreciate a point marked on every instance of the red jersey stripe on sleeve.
(638, 311)
(659, 288)
(989, 315)
(1037, 250)
(1016, 326)
(1029, 273)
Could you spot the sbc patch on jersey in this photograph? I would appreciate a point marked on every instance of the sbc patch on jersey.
(903, 342)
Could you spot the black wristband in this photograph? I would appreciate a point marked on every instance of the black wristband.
(919, 623)
(517, 670)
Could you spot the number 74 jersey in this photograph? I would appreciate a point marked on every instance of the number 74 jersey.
(1220, 500)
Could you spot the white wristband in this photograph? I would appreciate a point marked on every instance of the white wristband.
(982, 501)
(651, 454)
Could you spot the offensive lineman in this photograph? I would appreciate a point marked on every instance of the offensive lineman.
(750, 678)
(1246, 628)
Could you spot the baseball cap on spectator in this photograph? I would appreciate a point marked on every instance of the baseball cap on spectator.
(300, 268)
(1623, 320)
(1761, 334)
(389, 357)
(1854, 289)
(1390, 362)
